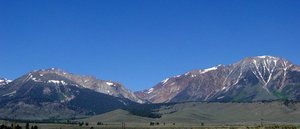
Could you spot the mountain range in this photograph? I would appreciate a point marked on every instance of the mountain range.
(56, 94)
(251, 79)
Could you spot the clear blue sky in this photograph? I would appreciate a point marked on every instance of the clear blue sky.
(142, 42)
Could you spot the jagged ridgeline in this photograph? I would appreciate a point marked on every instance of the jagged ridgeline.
(57, 94)
(251, 79)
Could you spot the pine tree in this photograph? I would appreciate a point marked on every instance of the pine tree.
(27, 126)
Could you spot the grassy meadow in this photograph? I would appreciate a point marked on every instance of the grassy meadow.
(192, 115)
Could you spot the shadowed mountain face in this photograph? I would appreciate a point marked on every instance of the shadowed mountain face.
(55, 94)
(251, 79)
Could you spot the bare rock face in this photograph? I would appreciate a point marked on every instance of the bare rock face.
(165, 90)
(251, 79)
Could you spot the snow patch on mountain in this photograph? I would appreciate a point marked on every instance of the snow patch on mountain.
(266, 56)
(164, 81)
(178, 76)
(10, 94)
(208, 69)
(110, 83)
(221, 97)
(224, 88)
(4, 81)
(150, 90)
(57, 82)
(36, 80)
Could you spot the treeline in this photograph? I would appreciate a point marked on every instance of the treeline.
(57, 121)
(276, 127)
(17, 126)
(151, 110)
(244, 101)
(146, 110)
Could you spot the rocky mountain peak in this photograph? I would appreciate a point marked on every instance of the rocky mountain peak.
(57, 71)
(266, 61)
(62, 77)
(258, 78)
